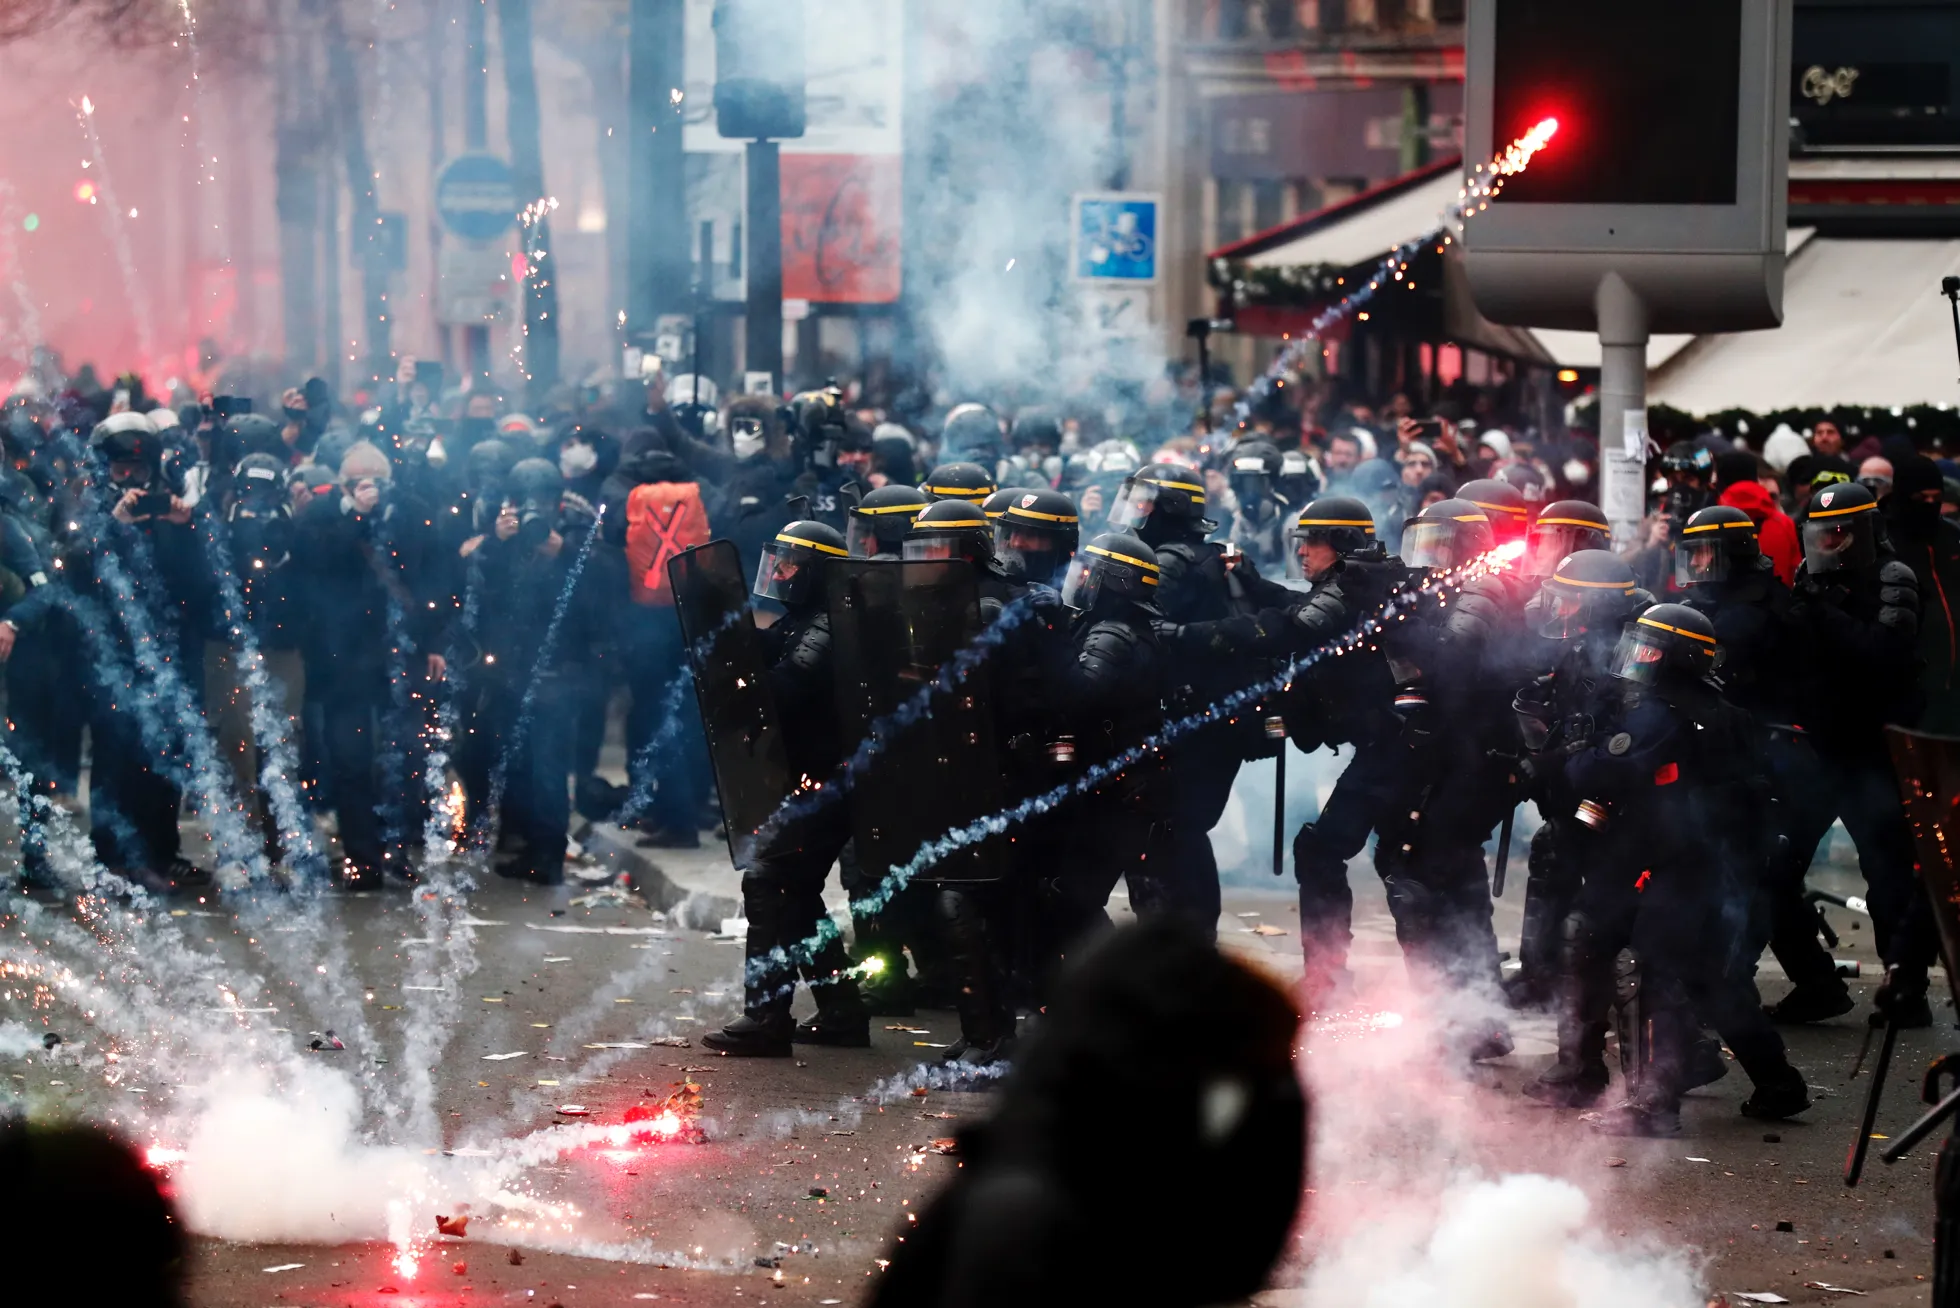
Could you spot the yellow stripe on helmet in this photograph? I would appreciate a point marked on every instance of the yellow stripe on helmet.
(890, 508)
(1366, 523)
(1598, 524)
(1015, 511)
(1839, 513)
(784, 538)
(1679, 631)
(1124, 558)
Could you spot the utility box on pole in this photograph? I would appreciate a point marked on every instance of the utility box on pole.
(759, 97)
(1661, 203)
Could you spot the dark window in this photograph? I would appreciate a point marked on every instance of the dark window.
(1645, 95)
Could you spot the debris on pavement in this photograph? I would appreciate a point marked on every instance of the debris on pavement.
(1759, 1296)
(457, 1225)
(1786, 1226)
(1616, 1162)
(325, 1041)
(498, 1058)
(516, 1259)
(286, 1267)
(1828, 1288)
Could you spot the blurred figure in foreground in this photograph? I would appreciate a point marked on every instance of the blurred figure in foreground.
(1101, 1123)
(70, 1192)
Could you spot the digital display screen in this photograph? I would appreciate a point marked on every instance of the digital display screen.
(1646, 97)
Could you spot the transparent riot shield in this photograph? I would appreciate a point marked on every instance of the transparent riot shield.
(935, 769)
(731, 685)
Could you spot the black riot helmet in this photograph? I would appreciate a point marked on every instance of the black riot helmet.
(1669, 642)
(1564, 527)
(1716, 544)
(791, 570)
(1840, 529)
(1526, 480)
(1113, 564)
(1689, 470)
(959, 481)
(1502, 504)
(879, 521)
(1592, 590)
(1296, 483)
(1252, 468)
(951, 529)
(259, 481)
(1036, 535)
(996, 504)
(1338, 521)
(1447, 534)
(1160, 503)
(535, 489)
(971, 431)
(131, 448)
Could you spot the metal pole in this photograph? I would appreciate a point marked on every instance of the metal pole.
(765, 305)
(1622, 407)
(476, 138)
(656, 249)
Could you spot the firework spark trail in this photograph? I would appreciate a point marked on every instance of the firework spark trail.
(326, 954)
(1396, 608)
(269, 729)
(1479, 189)
(673, 717)
(30, 314)
(881, 732)
(521, 724)
(166, 713)
(139, 302)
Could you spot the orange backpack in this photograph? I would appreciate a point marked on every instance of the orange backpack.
(662, 519)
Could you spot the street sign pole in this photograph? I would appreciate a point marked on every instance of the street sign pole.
(765, 239)
(1622, 407)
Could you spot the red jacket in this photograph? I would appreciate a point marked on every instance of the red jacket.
(1774, 530)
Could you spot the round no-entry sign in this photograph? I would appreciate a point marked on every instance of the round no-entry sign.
(476, 194)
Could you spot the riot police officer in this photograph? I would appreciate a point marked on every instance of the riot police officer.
(1579, 613)
(1454, 688)
(1164, 506)
(1561, 529)
(1035, 536)
(1856, 612)
(1675, 832)
(972, 434)
(959, 481)
(879, 522)
(1502, 505)
(1109, 705)
(782, 890)
(1335, 701)
(1259, 524)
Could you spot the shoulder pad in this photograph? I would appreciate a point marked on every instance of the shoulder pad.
(1892, 572)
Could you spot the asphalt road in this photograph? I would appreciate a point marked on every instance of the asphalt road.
(809, 1166)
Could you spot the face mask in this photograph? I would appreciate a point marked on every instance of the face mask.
(577, 460)
(748, 444)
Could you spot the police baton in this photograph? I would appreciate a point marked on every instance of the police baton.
(1950, 288)
(1503, 853)
(1279, 810)
(1854, 1162)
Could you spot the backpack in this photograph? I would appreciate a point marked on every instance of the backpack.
(663, 518)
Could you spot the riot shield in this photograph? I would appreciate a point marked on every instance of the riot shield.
(893, 627)
(1929, 779)
(731, 685)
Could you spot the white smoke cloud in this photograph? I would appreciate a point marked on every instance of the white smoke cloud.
(1431, 1185)
(288, 1164)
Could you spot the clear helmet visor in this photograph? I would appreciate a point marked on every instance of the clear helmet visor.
(1562, 614)
(1307, 544)
(1638, 657)
(1132, 506)
(930, 549)
(1700, 562)
(1432, 543)
(1030, 555)
(782, 574)
(1833, 544)
(1550, 544)
(1081, 586)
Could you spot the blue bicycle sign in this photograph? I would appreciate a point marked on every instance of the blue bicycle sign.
(1116, 237)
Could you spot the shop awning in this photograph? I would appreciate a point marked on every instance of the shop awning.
(1864, 323)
